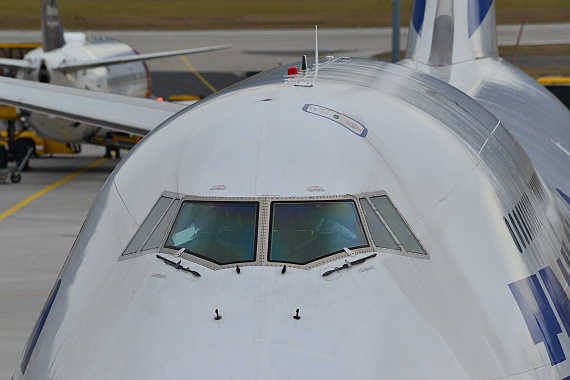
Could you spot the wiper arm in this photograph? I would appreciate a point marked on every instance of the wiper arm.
(348, 264)
(177, 265)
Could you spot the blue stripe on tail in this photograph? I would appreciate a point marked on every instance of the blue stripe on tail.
(477, 11)
(418, 14)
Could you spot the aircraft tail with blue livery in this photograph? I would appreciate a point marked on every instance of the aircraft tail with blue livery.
(456, 41)
(447, 32)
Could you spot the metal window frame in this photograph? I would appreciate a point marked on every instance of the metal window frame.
(333, 256)
(263, 232)
(402, 251)
(264, 229)
(165, 194)
(259, 245)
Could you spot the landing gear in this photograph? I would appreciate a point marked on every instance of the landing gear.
(21, 153)
(16, 177)
(3, 157)
(109, 149)
(15, 174)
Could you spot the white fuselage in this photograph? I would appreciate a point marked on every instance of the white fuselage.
(450, 168)
(531, 113)
(132, 79)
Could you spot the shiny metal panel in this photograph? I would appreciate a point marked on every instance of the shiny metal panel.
(536, 119)
(449, 166)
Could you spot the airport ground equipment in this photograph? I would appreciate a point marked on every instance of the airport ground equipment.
(18, 144)
(559, 86)
(16, 173)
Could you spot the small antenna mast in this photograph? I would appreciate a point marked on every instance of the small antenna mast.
(316, 53)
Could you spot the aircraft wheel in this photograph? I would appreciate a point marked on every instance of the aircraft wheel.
(22, 147)
(15, 177)
(3, 157)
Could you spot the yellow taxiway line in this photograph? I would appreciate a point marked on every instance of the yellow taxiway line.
(202, 79)
(49, 188)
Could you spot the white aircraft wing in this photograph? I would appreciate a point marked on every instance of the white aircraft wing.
(116, 112)
(82, 65)
(16, 64)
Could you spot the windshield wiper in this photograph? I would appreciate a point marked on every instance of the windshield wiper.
(178, 265)
(348, 264)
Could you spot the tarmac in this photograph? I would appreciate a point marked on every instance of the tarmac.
(39, 220)
(41, 216)
(257, 50)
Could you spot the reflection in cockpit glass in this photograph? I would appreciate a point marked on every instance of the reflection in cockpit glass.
(222, 232)
(302, 232)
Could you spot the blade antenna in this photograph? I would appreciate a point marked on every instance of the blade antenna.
(316, 53)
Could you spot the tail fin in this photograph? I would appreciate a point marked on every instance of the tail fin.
(444, 32)
(52, 31)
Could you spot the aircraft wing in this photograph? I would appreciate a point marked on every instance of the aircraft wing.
(82, 65)
(117, 112)
(16, 64)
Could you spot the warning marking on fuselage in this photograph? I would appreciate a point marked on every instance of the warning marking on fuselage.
(339, 118)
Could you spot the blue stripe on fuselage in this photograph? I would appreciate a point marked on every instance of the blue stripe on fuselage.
(539, 316)
(557, 295)
(38, 328)
(564, 196)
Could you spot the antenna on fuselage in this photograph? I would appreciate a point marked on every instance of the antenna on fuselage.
(305, 65)
(316, 53)
(316, 50)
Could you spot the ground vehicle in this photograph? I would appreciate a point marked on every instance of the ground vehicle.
(15, 141)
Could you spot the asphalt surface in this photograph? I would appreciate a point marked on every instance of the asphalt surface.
(35, 239)
(167, 83)
(256, 50)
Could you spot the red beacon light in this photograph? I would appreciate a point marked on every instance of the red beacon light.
(160, 99)
(292, 70)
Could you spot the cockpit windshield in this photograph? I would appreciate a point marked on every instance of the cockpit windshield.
(258, 231)
(302, 232)
(223, 232)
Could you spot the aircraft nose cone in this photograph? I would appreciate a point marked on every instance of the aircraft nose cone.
(260, 361)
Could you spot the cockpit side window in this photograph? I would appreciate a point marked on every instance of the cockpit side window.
(159, 232)
(305, 231)
(397, 224)
(148, 225)
(380, 234)
(223, 232)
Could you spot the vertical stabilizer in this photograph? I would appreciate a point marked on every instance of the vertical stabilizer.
(444, 32)
(52, 31)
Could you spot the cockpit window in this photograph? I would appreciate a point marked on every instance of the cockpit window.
(148, 225)
(159, 232)
(397, 224)
(302, 232)
(380, 234)
(223, 232)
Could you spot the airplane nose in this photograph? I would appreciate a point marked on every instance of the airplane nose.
(256, 360)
